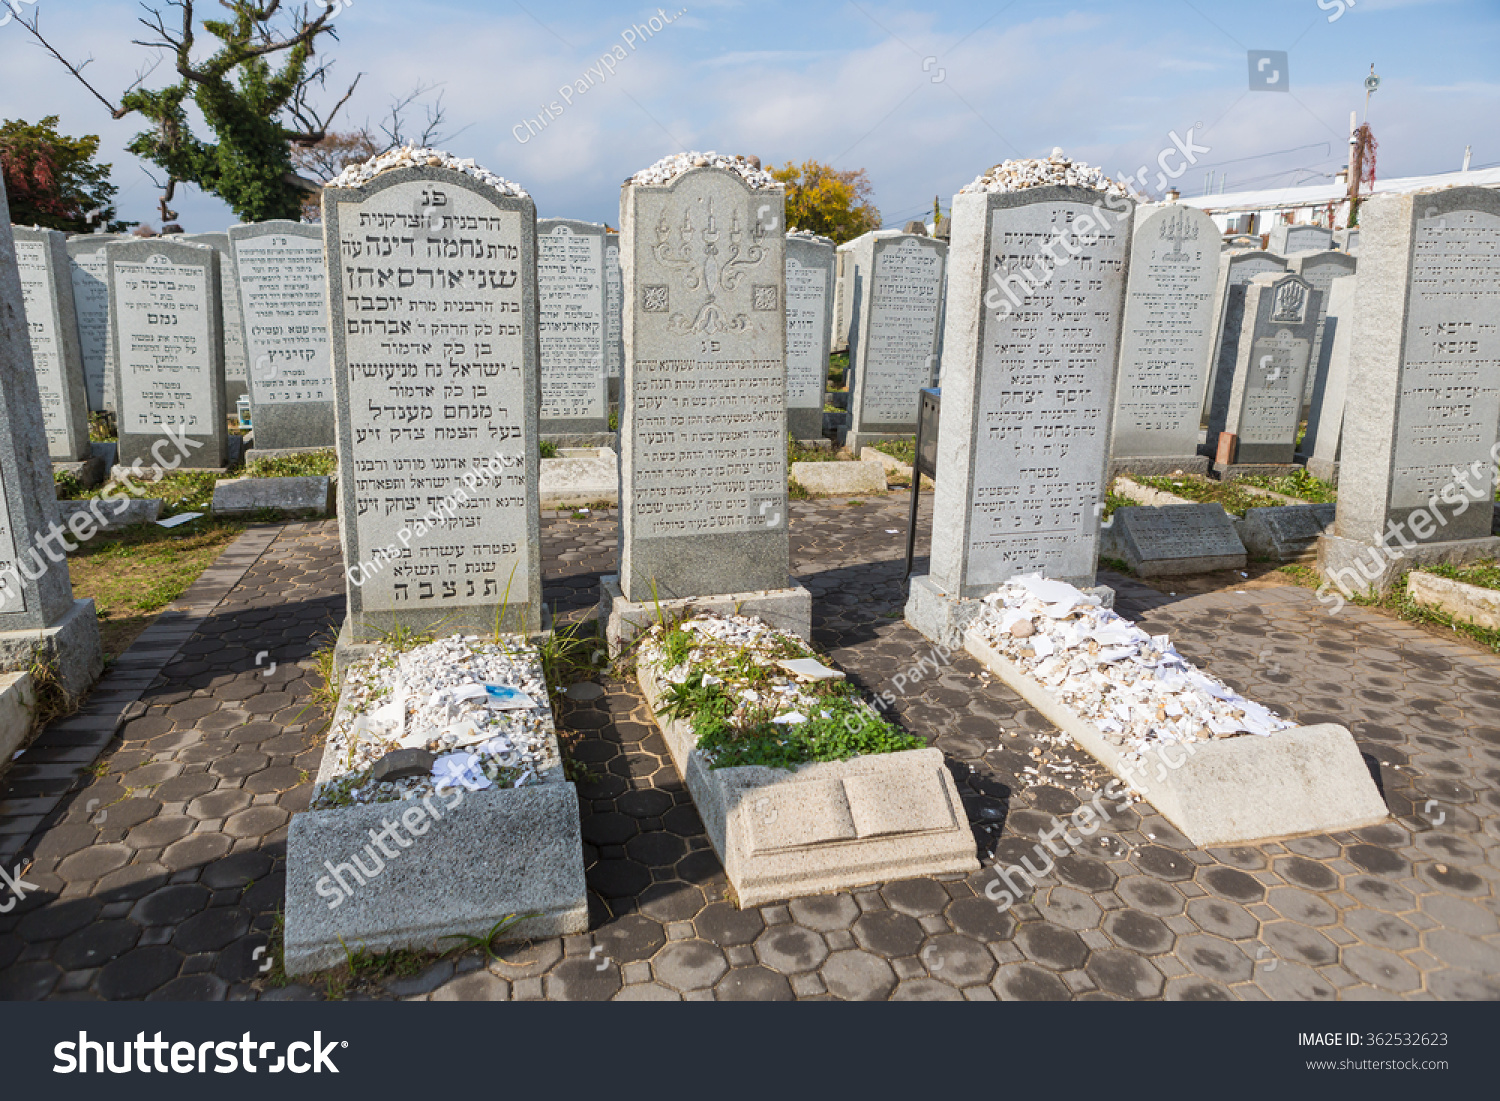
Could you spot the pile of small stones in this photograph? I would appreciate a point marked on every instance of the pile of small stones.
(410, 156)
(1018, 175)
(414, 700)
(808, 235)
(669, 168)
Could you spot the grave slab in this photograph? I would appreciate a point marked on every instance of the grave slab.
(1285, 533)
(587, 476)
(840, 479)
(1465, 603)
(246, 496)
(1175, 540)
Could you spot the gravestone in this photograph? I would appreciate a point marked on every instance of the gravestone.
(1028, 394)
(1325, 418)
(703, 509)
(236, 362)
(1175, 540)
(614, 303)
(1421, 413)
(1286, 533)
(1286, 239)
(47, 297)
(1320, 269)
(810, 265)
(1347, 240)
(1165, 341)
(38, 616)
(433, 318)
(168, 355)
(571, 304)
(894, 337)
(283, 308)
(1274, 356)
(90, 272)
(1235, 270)
(843, 299)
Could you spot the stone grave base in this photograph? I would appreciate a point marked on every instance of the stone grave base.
(347, 650)
(839, 479)
(1228, 472)
(311, 496)
(73, 642)
(106, 452)
(1285, 533)
(786, 609)
(1363, 568)
(137, 510)
(153, 473)
(89, 472)
(1464, 602)
(803, 422)
(894, 467)
(788, 833)
(819, 444)
(944, 619)
(1310, 779)
(17, 699)
(581, 476)
(253, 453)
(858, 441)
(1159, 466)
(581, 439)
(1323, 470)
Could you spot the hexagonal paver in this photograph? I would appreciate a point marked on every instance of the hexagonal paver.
(581, 979)
(1024, 982)
(1291, 941)
(957, 960)
(889, 933)
(791, 949)
(1052, 946)
(926, 990)
(1125, 974)
(1380, 968)
(688, 965)
(725, 924)
(853, 975)
(916, 897)
(1143, 933)
(1070, 908)
(753, 984)
(825, 913)
(1215, 958)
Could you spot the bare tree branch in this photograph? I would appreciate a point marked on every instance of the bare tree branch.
(76, 70)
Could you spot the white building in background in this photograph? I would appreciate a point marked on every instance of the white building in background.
(1327, 204)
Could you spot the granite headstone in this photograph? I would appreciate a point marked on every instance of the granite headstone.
(614, 304)
(47, 297)
(1274, 355)
(1285, 239)
(810, 265)
(90, 271)
(1320, 269)
(236, 363)
(1325, 418)
(1235, 270)
(571, 300)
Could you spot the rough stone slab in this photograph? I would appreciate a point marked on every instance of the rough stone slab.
(17, 701)
(838, 479)
(786, 609)
(1231, 472)
(1309, 779)
(894, 467)
(581, 480)
(1145, 495)
(1176, 540)
(255, 453)
(118, 513)
(1324, 470)
(88, 472)
(1355, 566)
(1469, 603)
(943, 618)
(788, 833)
(1150, 466)
(497, 853)
(240, 496)
(1285, 533)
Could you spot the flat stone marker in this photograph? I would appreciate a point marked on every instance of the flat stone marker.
(433, 308)
(1320, 269)
(38, 615)
(1274, 354)
(894, 336)
(1286, 239)
(1165, 342)
(247, 496)
(1235, 270)
(1286, 533)
(47, 297)
(571, 296)
(169, 367)
(1028, 393)
(614, 321)
(1423, 403)
(236, 361)
(1325, 417)
(810, 265)
(283, 307)
(703, 509)
(1174, 540)
(90, 274)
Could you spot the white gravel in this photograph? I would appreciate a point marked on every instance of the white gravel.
(1018, 175)
(409, 156)
(669, 168)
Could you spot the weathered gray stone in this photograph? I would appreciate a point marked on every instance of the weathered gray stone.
(1348, 240)
(243, 496)
(893, 336)
(17, 705)
(810, 263)
(1309, 779)
(283, 305)
(236, 367)
(115, 514)
(1320, 269)
(571, 318)
(168, 352)
(90, 271)
(1236, 268)
(441, 445)
(403, 764)
(1173, 540)
(1465, 603)
(47, 298)
(1166, 340)
(1285, 533)
(584, 477)
(839, 479)
(1325, 416)
(843, 296)
(614, 321)
(1285, 239)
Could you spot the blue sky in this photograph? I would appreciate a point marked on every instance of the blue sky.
(922, 96)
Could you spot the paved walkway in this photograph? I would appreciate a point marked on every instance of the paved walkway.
(160, 870)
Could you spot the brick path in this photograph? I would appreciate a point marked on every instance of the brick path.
(161, 876)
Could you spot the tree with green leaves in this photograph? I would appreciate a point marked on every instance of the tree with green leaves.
(253, 91)
(835, 204)
(52, 180)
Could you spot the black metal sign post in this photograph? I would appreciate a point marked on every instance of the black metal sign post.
(924, 462)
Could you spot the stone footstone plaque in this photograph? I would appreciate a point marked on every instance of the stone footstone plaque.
(47, 297)
(810, 288)
(38, 615)
(703, 512)
(1285, 239)
(1275, 352)
(1325, 417)
(571, 300)
(168, 355)
(1165, 342)
(1320, 269)
(1422, 410)
(1028, 392)
(236, 361)
(1235, 270)
(894, 339)
(1173, 540)
(283, 306)
(614, 305)
(433, 311)
(90, 272)
(1286, 533)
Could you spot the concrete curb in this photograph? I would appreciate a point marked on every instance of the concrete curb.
(1471, 603)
